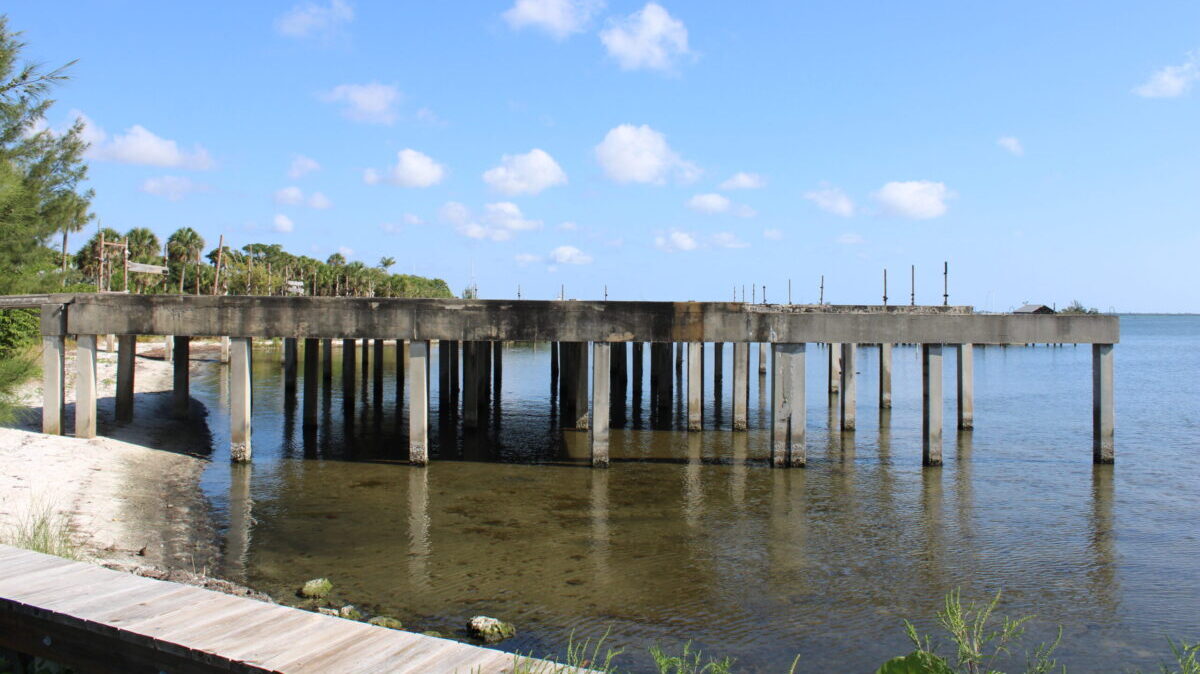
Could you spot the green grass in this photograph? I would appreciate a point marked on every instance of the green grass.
(43, 530)
(16, 368)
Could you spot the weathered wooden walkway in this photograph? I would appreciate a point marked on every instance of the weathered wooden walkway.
(99, 620)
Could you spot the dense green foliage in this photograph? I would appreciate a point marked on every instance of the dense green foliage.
(1077, 307)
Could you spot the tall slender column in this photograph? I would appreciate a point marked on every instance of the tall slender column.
(835, 366)
(1103, 416)
(377, 369)
(718, 369)
(418, 398)
(601, 381)
(931, 404)
(554, 364)
(85, 386)
(639, 359)
(485, 378)
(885, 376)
(678, 351)
(366, 362)
(182, 393)
(443, 377)
(849, 401)
(224, 348)
(239, 399)
(966, 386)
(401, 365)
(788, 412)
(349, 351)
(497, 369)
(327, 362)
(311, 367)
(666, 384)
(454, 371)
(695, 385)
(471, 385)
(126, 353)
(289, 363)
(617, 375)
(54, 363)
(582, 420)
(741, 384)
(168, 347)
(762, 359)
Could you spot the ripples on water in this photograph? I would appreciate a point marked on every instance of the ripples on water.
(693, 536)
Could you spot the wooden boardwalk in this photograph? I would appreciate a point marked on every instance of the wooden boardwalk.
(99, 620)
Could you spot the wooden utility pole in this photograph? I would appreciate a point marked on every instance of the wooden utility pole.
(912, 298)
(885, 287)
(100, 274)
(822, 300)
(946, 284)
(220, 256)
(125, 256)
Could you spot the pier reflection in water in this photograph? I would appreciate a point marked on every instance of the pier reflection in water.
(694, 536)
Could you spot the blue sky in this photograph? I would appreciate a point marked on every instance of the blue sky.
(1048, 151)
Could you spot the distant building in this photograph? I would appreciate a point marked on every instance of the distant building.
(1034, 309)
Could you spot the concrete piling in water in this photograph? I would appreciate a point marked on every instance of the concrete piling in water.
(554, 365)
(638, 376)
(966, 387)
(54, 365)
(348, 366)
(741, 384)
(1103, 416)
(581, 417)
(601, 391)
(471, 384)
(85, 386)
(401, 367)
(885, 376)
(848, 401)
(126, 355)
(618, 376)
(289, 363)
(931, 404)
(418, 398)
(366, 363)
(454, 372)
(377, 369)
(443, 376)
(762, 359)
(788, 412)
(182, 394)
(497, 370)
(240, 387)
(168, 350)
(695, 386)
(327, 362)
(311, 369)
(224, 348)
(835, 366)
(718, 370)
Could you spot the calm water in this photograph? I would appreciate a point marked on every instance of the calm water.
(694, 537)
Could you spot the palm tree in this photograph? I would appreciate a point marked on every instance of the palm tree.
(386, 263)
(143, 247)
(184, 246)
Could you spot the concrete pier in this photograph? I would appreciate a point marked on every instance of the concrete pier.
(931, 404)
(848, 401)
(224, 349)
(638, 375)
(695, 386)
(580, 394)
(366, 362)
(497, 370)
(85, 386)
(885, 376)
(401, 366)
(418, 398)
(289, 362)
(966, 387)
(601, 382)
(126, 355)
(473, 375)
(452, 347)
(443, 376)
(348, 366)
(788, 412)
(182, 396)
(327, 362)
(741, 385)
(240, 387)
(311, 369)
(168, 348)
(618, 381)
(835, 366)
(54, 365)
(762, 360)
(377, 369)
(1103, 419)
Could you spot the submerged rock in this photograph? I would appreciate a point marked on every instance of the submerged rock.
(386, 621)
(328, 611)
(350, 613)
(490, 630)
(316, 588)
(433, 633)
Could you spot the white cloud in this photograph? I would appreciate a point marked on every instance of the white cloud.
(639, 154)
(507, 215)
(674, 241)
(709, 203)
(527, 258)
(568, 226)
(915, 199)
(412, 169)
(649, 38)
(373, 103)
(831, 200)
(850, 239)
(454, 213)
(283, 223)
(570, 255)
(743, 181)
(1012, 144)
(319, 201)
(744, 211)
(773, 234)
(173, 188)
(525, 173)
(1172, 81)
(346, 252)
(301, 166)
(139, 145)
(412, 219)
(289, 195)
(312, 20)
(728, 240)
(559, 18)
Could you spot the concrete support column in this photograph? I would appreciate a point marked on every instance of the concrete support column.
(582, 419)
(348, 365)
(443, 376)
(401, 366)
(240, 387)
(931, 404)
(678, 351)
(885, 376)
(54, 364)
(638, 375)
(182, 393)
(835, 366)
(168, 344)
(497, 369)
(327, 362)
(454, 371)
(366, 361)
(224, 349)
(762, 360)
(849, 401)
(788, 412)
(289, 363)
(601, 382)
(966, 386)
(718, 369)
(695, 385)
(741, 384)
(85, 386)
(108, 343)
(554, 364)
(126, 353)
(471, 384)
(418, 397)
(618, 375)
(312, 366)
(1103, 416)
(377, 368)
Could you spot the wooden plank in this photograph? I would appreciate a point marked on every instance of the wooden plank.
(185, 615)
(452, 657)
(69, 599)
(14, 568)
(306, 633)
(343, 655)
(128, 602)
(52, 582)
(206, 624)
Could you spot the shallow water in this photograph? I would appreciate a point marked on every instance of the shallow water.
(693, 536)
